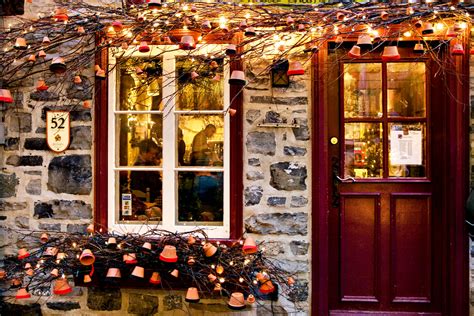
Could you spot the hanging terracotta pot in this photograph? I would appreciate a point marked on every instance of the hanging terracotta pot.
(209, 249)
(61, 287)
(22, 293)
(87, 258)
(23, 253)
(192, 295)
(155, 278)
(138, 272)
(236, 301)
(169, 254)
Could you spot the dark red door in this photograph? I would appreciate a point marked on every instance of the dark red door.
(385, 220)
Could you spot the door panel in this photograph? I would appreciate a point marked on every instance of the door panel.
(386, 210)
(360, 223)
(410, 225)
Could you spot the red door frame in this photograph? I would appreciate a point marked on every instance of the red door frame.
(455, 260)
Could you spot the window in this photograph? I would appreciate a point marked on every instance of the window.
(169, 140)
(385, 119)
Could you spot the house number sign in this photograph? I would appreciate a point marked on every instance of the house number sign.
(58, 130)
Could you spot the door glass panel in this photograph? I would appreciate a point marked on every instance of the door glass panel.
(363, 150)
(140, 139)
(202, 141)
(140, 84)
(407, 150)
(363, 90)
(406, 89)
(200, 83)
(200, 197)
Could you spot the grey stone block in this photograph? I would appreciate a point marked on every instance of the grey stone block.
(294, 151)
(288, 176)
(261, 143)
(81, 137)
(20, 122)
(11, 206)
(8, 187)
(253, 195)
(252, 115)
(276, 201)
(299, 247)
(255, 175)
(63, 306)
(254, 162)
(17, 161)
(141, 304)
(104, 299)
(278, 223)
(171, 302)
(22, 222)
(70, 174)
(302, 132)
(34, 187)
(38, 143)
(298, 201)
(278, 100)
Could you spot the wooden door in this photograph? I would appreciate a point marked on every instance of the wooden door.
(386, 152)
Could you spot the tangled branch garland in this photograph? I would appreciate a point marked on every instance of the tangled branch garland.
(157, 258)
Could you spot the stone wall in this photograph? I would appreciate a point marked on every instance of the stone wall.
(277, 171)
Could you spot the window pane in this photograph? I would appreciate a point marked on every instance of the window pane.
(204, 92)
(140, 196)
(363, 150)
(407, 150)
(406, 89)
(140, 84)
(202, 143)
(140, 139)
(200, 197)
(363, 90)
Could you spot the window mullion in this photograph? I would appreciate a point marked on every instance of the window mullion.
(169, 152)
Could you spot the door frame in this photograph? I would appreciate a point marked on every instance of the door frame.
(455, 180)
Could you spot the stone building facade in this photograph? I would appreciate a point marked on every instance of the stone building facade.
(42, 190)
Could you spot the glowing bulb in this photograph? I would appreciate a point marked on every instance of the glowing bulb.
(222, 20)
(185, 7)
(213, 266)
(463, 25)
(407, 34)
(231, 263)
(74, 245)
(241, 280)
(221, 280)
(255, 282)
(439, 26)
(199, 38)
(276, 37)
(247, 16)
(246, 262)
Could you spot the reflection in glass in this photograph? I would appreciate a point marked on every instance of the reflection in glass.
(406, 89)
(202, 141)
(363, 150)
(140, 140)
(363, 90)
(140, 84)
(140, 195)
(200, 83)
(200, 197)
(407, 150)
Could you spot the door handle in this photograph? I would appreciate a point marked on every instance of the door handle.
(348, 179)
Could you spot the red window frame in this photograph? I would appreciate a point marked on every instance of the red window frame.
(101, 208)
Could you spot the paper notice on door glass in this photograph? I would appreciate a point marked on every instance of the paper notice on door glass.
(406, 147)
